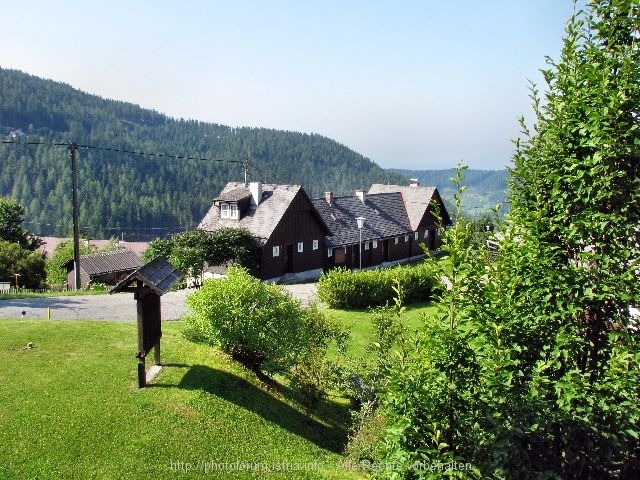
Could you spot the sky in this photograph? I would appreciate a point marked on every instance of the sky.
(408, 84)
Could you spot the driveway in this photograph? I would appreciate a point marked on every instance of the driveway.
(120, 307)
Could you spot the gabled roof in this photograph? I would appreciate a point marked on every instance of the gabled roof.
(416, 200)
(384, 215)
(107, 262)
(158, 274)
(262, 220)
(234, 195)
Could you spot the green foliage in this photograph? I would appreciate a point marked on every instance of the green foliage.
(258, 323)
(532, 369)
(347, 289)
(56, 275)
(191, 251)
(29, 265)
(11, 218)
(144, 196)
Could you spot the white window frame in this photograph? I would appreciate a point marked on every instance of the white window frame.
(426, 233)
(366, 245)
(397, 240)
(406, 238)
(224, 210)
(315, 244)
(276, 251)
(375, 244)
(416, 235)
(233, 211)
(300, 247)
(329, 252)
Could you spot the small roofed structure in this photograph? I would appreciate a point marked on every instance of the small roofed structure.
(106, 267)
(148, 283)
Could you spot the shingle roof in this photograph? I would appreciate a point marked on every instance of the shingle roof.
(158, 274)
(384, 215)
(260, 221)
(108, 262)
(234, 195)
(416, 200)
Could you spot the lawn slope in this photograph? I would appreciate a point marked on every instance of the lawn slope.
(70, 408)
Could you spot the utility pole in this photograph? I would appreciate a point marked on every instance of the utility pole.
(76, 231)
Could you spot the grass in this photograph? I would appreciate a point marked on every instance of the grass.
(362, 331)
(70, 408)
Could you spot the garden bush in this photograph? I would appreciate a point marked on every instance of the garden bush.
(347, 289)
(257, 323)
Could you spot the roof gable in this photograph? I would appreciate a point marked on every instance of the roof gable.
(417, 201)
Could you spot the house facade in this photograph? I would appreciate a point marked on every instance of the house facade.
(301, 237)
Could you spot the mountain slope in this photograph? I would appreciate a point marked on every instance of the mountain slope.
(144, 196)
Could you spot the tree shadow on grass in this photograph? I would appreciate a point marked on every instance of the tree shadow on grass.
(244, 394)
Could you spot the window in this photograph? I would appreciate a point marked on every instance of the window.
(416, 235)
(224, 210)
(426, 234)
(406, 238)
(315, 244)
(233, 211)
(276, 251)
(300, 247)
(329, 252)
(366, 245)
(375, 244)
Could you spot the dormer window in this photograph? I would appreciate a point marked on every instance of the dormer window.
(229, 210)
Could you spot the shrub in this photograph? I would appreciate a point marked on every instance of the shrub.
(257, 323)
(346, 289)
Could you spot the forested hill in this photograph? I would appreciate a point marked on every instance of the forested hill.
(146, 196)
(485, 188)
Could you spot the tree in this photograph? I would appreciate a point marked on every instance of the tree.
(532, 371)
(11, 218)
(56, 274)
(29, 265)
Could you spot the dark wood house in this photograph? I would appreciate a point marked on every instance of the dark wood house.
(290, 230)
(108, 267)
(397, 222)
(300, 237)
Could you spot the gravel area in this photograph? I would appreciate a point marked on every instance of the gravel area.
(120, 307)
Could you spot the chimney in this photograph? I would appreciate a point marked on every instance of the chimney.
(256, 193)
(361, 194)
(414, 182)
(328, 196)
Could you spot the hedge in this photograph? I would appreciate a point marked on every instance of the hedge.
(347, 289)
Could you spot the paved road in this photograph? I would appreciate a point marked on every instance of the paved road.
(120, 307)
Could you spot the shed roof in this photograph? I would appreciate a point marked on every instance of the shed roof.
(107, 262)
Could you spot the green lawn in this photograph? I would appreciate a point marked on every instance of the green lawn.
(70, 408)
(361, 328)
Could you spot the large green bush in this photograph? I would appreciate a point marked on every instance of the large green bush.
(347, 289)
(258, 323)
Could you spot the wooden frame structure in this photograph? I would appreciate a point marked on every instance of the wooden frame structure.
(148, 283)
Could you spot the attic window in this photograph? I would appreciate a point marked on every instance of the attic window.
(233, 211)
(224, 210)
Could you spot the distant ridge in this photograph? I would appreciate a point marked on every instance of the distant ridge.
(144, 197)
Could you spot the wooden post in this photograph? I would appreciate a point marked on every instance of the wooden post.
(142, 372)
(156, 353)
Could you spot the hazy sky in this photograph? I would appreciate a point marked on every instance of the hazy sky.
(414, 84)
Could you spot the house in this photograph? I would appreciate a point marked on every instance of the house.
(282, 217)
(108, 267)
(301, 237)
(398, 222)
